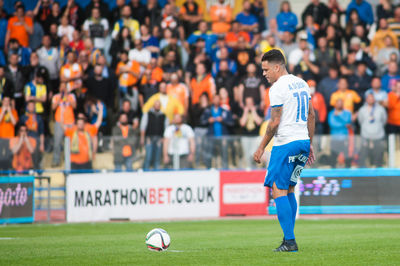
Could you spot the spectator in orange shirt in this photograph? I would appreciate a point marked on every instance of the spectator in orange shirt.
(179, 91)
(201, 83)
(318, 102)
(93, 128)
(232, 37)
(22, 147)
(63, 104)
(156, 71)
(394, 109)
(82, 146)
(35, 126)
(128, 73)
(19, 27)
(266, 101)
(72, 72)
(221, 16)
(124, 148)
(8, 119)
(191, 14)
(350, 98)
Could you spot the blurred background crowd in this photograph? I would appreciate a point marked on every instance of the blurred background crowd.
(183, 78)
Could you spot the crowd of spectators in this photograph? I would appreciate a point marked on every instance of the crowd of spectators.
(150, 72)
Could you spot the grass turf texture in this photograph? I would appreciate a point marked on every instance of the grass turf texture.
(224, 242)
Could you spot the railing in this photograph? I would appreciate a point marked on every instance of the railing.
(236, 152)
(228, 152)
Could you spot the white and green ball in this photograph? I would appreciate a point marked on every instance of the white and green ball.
(158, 240)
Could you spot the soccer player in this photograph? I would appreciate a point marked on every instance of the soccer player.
(292, 123)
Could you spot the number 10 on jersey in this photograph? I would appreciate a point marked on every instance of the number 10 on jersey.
(302, 105)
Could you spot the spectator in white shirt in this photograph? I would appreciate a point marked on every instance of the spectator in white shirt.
(297, 54)
(65, 29)
(140, 54)
(179, 140)
(96, 28)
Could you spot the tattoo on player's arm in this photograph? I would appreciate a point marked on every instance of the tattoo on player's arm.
(273, 125)
(311, 122)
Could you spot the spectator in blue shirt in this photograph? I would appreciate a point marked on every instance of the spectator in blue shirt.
(149, 42)
(286, 19)
(390, 78)
(339, 121)
(380, 95)
(247, 20)
(363, 9)
(223, 56)
(35, 39)
(2, 58)
(208, 36)
(3, 31)
(218, 121)
(24, 53)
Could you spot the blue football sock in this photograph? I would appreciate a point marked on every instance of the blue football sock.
(285, 216)
(293, 204)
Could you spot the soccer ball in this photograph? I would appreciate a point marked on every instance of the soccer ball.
(158, 240)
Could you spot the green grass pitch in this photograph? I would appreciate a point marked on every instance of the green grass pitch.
(222, 242)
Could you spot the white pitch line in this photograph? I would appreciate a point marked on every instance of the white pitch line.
(7, 238)
(172, 250)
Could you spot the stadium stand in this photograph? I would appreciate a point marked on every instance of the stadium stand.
(104, 59)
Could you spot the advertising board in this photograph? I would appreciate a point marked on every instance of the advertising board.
(142, 195)
(16, 199)
(339, 191)
(243, 193)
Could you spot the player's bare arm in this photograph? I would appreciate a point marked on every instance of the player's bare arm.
(311, 129)
(273, 125)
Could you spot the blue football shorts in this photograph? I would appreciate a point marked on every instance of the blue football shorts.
(286, 163)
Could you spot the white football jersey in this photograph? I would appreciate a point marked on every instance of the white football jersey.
(293, 94)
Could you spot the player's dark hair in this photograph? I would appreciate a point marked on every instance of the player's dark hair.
(274, 56)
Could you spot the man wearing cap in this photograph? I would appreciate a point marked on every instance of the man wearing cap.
(361, 55)
(36, 91)
(297, 55)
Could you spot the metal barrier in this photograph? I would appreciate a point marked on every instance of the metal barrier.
(236, 152)
(39, 189)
